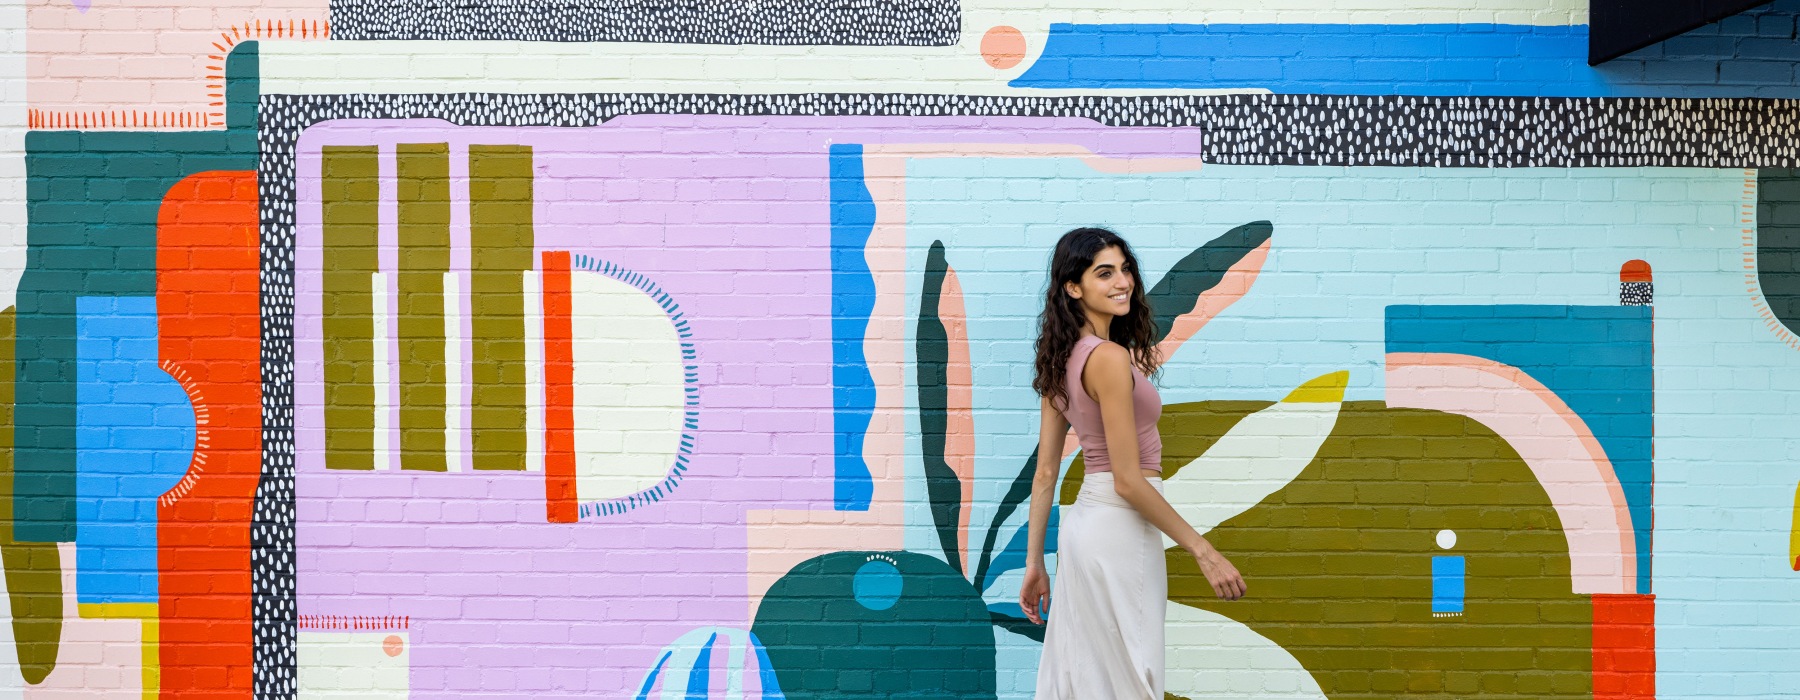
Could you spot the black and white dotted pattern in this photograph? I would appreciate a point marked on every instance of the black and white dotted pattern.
(1566, 132)
(272, 518)
(1635, 293)
(1237, 129)
(857, 22)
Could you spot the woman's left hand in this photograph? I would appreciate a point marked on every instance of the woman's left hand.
(1034, 594)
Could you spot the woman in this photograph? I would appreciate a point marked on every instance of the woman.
(1094, 360)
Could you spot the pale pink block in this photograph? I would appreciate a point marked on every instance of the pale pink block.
(125, 56)
(1554, 442)
(959, 442)
(98, 658)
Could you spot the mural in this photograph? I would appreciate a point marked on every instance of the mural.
(415, 349)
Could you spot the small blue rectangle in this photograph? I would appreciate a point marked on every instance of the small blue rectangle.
(1447, 584)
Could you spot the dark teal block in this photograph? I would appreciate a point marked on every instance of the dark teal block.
(99, 240)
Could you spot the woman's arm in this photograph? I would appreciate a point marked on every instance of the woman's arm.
(1053, 430)
(1107, 377)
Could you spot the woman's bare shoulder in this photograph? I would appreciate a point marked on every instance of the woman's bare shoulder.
(1109, 366)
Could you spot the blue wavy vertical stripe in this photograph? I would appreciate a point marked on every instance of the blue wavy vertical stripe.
(852, 300)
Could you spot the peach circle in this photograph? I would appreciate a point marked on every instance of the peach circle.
(393, 645)
(1003, 47)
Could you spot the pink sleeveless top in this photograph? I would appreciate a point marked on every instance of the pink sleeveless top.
(1083, 413)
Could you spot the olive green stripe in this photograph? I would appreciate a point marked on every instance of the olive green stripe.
(423, 178)
(33, 569)
(351, 199)
(502, 243)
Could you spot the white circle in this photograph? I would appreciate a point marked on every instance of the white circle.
(1446, 539)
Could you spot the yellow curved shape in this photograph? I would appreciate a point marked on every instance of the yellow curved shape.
(1327, 388)
(1794, 534)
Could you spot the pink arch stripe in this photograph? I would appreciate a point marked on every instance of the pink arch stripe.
(1554, 442)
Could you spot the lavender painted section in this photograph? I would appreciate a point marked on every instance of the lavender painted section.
(729, 215)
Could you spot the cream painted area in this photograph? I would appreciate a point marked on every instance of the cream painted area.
(1257, 457)
(369, 665)
(630, 388)
(548, 67)
(1213, 656)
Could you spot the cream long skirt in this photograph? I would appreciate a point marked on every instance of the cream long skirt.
(1107, 601)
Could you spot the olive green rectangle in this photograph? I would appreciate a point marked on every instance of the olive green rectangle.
(423, 190)
(350, 199)
(502, 243)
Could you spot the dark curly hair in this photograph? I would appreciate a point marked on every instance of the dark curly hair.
(1059, 326)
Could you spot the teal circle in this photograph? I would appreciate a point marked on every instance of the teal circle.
(877, 585)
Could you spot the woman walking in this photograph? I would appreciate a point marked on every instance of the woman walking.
(1094, 360)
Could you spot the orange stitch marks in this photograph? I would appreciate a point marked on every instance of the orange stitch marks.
(146, 64)
(202, 437)
(122, 120)
(355, 622)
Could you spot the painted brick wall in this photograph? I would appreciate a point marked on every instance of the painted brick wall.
(409, 348)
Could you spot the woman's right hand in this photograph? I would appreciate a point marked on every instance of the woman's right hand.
(1034, 594)
(1225, 579)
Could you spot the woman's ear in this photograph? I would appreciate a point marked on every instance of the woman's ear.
(1072, 289)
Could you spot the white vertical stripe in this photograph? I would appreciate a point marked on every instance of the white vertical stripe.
(384, 386)
(13, 116)
(534, 371)
(454, 433)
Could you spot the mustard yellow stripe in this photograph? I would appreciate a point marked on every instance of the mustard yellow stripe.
(118, 611)
(152, 662)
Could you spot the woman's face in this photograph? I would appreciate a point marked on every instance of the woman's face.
(1105, 286)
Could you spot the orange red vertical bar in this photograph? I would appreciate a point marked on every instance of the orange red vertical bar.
(559, 391)
(1624, 647)
(209, 333)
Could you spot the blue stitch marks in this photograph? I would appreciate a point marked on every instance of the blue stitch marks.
(637, 389)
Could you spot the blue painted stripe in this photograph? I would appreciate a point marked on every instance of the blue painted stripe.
(1418, 59)
(1447, 584)
(701, 673)
(650, 678)
(852, 300)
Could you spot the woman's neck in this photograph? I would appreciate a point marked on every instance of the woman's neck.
(1099, 326)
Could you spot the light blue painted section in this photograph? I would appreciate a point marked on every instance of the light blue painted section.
(135, 441)
(1348, 243)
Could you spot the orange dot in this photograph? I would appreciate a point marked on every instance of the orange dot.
(1634, 271)
(393, 645)
(1003, 47)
